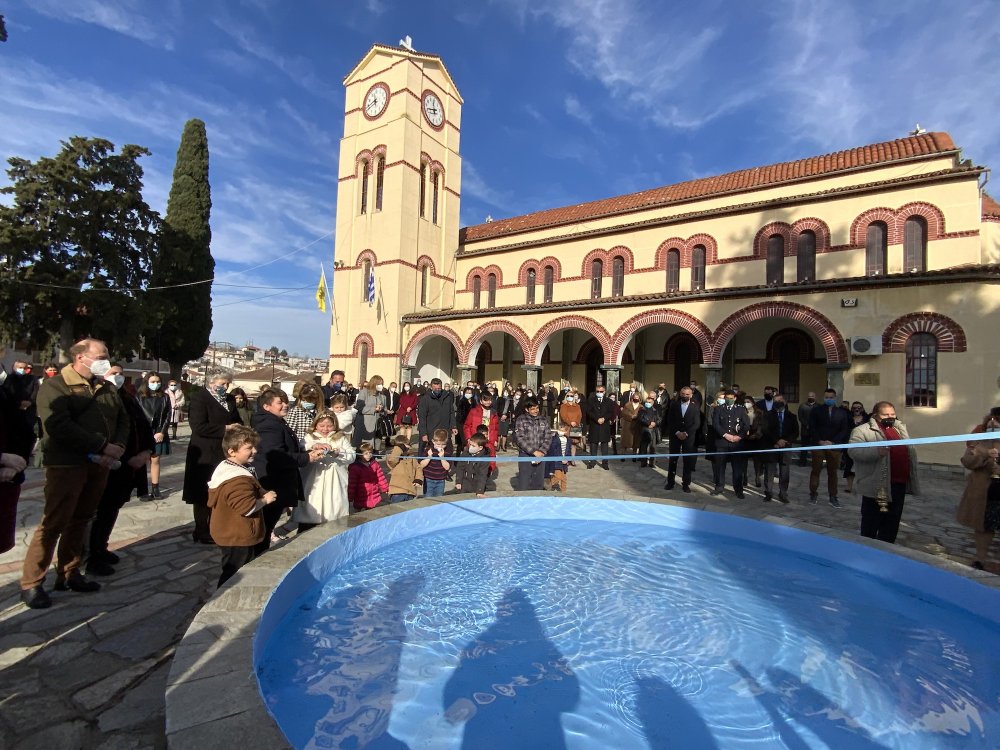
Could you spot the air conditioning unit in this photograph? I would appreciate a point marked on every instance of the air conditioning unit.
(866, 346)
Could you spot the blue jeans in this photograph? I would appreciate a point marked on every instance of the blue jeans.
(400, 498)
(433, 487)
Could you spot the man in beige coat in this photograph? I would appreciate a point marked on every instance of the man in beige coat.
(883, 474)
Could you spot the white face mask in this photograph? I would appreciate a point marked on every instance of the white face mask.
(99, 367)
(118, 380)
(153, 386)
(378, 388)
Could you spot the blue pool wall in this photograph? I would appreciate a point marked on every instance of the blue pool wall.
(316, 567)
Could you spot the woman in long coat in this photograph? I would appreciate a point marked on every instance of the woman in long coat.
(406, 414)
(211, 410)
(629, 425)
(981, 495)
(371, 405)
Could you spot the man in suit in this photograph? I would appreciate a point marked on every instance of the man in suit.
(392, 401)
(600, 412)
(632, 390)
(830, 425)
(781, 429)
(683, 422)
(767, 403)
(732, 425)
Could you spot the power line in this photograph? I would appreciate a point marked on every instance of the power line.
(266, 296)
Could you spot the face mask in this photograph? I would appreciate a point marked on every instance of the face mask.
(153, 386)
(768, 396)
(117, 380)
(779, 405)
(636, 399)
(392, 389)
(685, 399)
(406, 389)
(649, 404)
(221, 390)
(307, 405)
(99, 367)
(810, 400)
(337, 386)
(720, 401)
(748, 405)
(436, 394)
(730, 401)
(468, 396)
(530, 394)
(474, 449)
(830, 401)
(173, 386)
(378, 388)
(19, 371)
(600, 396)
(888, 422)
(857, 410)
(993, 428)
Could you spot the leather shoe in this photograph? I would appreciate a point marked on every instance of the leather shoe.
(78, 584)
(36, 598)
(685, 487)
(668, 486)
(106, 556)
(99, 568)
(740, 496)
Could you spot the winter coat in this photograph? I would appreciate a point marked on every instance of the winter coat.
(208, 420)
(474, 419)
(365, 484)
(556, 450)
(364, 428)
(157, 411)
(870, 468)
(972, 506)
(232, 493)
(407, 401)
(436, 413)
(405, 475)
(279, 458)
(597, 409)
(630, 427)
(472, 475)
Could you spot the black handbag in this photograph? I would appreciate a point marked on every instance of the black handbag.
(383, 428)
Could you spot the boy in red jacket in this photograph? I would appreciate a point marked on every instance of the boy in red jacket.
(365, 480)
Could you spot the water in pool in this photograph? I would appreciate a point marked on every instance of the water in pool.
(581, 634)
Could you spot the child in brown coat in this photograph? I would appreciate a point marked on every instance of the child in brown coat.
(236, 499)
(406, 478)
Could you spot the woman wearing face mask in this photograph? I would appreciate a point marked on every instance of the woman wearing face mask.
(630, 427)
(156, 407)
(979, 508)
(371, 406)
(406, 414)
(300, 417)
(463, 406)
(648, 422)
(177, 405)
(754, 440)
(858, 416)
(211, 410)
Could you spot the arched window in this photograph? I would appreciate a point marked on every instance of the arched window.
(876, 245)
(379, 182)
(477, 291)
(618, 276)
(596, 275)
(921, 370)
(425, 282)
(805, 255)
(363, 362)
(434, 198)
(364, 186)
(548, 276)
(698, 267)
(673, 270)
(366, 273)
(682, 365)
(491, 291)
(775, 260)
(423, 189)
(789, 368)
(915, 244)
(530, 286)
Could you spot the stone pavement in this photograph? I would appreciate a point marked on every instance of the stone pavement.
(92, 671)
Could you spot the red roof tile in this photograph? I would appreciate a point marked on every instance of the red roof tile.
(990, 207)
(744, 180)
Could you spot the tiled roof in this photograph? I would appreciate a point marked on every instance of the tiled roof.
(744, 180)
(990, 207)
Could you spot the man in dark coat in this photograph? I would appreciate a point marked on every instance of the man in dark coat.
(830, 424)
(600, 412)
(781, 429)
(732, 425)
(210, 411)
(436, 411)
(683, 423)
(278, 460)
(336, 386)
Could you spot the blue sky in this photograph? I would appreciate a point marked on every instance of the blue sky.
(565, 101)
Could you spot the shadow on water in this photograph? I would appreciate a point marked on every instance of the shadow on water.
(351, 680)
(512, 683)
(791, 703)
(668, 720)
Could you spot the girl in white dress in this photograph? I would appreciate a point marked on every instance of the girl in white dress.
(325, 481)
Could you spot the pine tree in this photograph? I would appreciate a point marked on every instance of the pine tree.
(182, 315)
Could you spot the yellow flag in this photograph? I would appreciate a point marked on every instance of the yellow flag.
(321, 291)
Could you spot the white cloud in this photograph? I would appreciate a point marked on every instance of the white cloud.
(128, 17)
(474, 186)
(577, 111)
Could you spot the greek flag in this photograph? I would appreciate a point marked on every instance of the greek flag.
(371, 287)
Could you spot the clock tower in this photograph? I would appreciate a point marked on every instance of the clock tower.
(399, 182)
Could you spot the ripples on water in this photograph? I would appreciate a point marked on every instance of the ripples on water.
(610, 635)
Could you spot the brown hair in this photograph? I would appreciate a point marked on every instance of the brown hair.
(237, 436)
(324, 415)
(477, 439)
(269, 396)
(440, 435)
(340, 399)
(365, 448)
(311, 392)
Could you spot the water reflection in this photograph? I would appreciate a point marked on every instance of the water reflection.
(512, 683)
(668, 720)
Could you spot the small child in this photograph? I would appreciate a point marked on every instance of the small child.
(236, 499)
(436, 465)
(406, 478)
(365, 480)
(561, 445)
(472, 475)
(325, 482)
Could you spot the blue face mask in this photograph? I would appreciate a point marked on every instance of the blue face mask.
(307, 405)
(154, 386)
(221, 390)
(830, 401)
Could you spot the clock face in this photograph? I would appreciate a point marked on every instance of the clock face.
(433, 110)
(375, 100)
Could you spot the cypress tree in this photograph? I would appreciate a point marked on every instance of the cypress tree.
(182, 315)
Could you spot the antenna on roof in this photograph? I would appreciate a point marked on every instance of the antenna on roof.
(406, 42)
(918, 130)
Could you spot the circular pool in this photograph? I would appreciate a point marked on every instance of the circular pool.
(546, 623)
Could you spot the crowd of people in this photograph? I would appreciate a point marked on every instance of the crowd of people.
(254, 460)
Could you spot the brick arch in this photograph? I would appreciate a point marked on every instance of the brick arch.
(596, 254)
(711, 248)
(416, 343)
(859, 227)
(674, 243)
(362, 338)
(550, 260)
(477, 271)
(504, 326)
(432, 164)
(680, 319)
(772, 351)
(817, 226)
(585, 351)
(425, 260)
(626, 254)
(833, 342)
(522, 272)
(682, 337)
(366, 254)
(768, 231)
(949, 334)
(495, 269)
(930, 213)
(587, 325)
(367, 157)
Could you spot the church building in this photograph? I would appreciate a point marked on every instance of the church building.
(874, 271)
